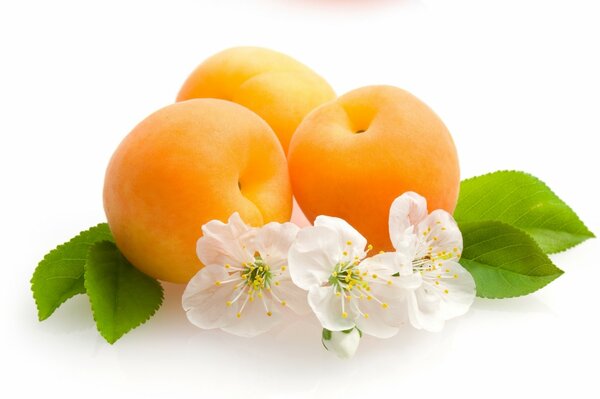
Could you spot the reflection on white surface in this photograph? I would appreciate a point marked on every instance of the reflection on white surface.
(288, 360)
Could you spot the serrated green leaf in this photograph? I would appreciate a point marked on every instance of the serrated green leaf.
(523, 201)
(121, 296)
(504, 261)
(59, 276)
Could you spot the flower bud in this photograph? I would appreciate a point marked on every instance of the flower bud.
(343, 343)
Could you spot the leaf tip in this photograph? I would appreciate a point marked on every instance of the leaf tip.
(111, 340)
(42, 316)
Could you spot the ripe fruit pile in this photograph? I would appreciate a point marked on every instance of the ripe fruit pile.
(222, 148)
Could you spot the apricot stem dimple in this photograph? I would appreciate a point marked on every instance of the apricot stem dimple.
(239, 185)
(360, 131)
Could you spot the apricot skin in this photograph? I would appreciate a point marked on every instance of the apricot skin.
(278, 88)
(351, 157)
(184, 165)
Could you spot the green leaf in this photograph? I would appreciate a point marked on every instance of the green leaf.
(59, 276)
(122, 297)
(523, 201)
(504, 261)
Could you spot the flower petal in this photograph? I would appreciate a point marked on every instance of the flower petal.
(313, 256)
(406, 211)
(423, 310)
(204, 302)
(295, 298)
(254, 319)
(387, 263)
(409, 281)
(447, 295)
(378, 321)
(350, 239)
(223, 243)
(440, 232)
(273, 242)
(328, 308)
(461, 291)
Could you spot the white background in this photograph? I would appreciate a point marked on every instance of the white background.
(516, 81)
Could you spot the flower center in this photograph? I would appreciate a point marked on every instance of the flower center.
(257, 276)
(352, 285)
(346, 276)
(252, 280)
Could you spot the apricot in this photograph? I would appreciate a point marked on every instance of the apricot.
(277, 87)
(351, 157)
(184, 165)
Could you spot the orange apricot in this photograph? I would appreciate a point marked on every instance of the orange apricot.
(277, 87)
(184, 165)
(351, 157)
